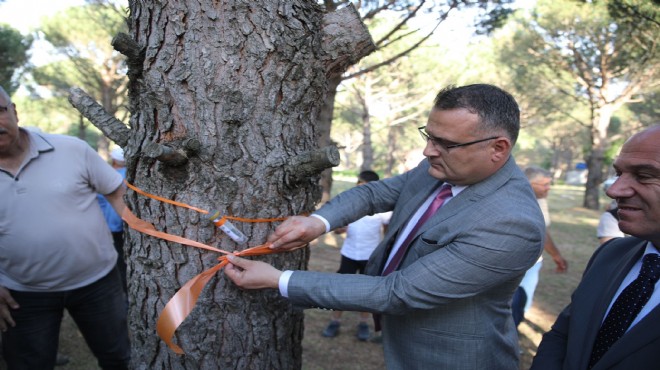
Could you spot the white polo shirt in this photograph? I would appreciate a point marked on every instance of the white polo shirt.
(53, 236)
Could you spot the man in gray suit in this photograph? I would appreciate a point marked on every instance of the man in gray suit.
(577, 339)
(446, 305)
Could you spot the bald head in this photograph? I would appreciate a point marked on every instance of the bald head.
(637, 189)
(4, 97)
(648, 135)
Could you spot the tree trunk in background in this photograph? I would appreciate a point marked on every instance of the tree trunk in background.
(323, 126)
(247, 81)
(367, 148)
(82, 128)
(392, 160)
(596, 159)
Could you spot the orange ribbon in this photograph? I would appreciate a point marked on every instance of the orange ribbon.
(185, 299)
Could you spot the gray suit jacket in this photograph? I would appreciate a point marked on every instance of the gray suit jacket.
(568, 345)
(448, 305)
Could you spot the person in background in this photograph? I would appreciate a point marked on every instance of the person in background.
(540, 180)
(56, 250)
(608, 224)
(613, 318)
(115, 223)
(465, 227)
(362, 237)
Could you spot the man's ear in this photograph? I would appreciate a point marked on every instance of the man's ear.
(13, 105)
(501, 148)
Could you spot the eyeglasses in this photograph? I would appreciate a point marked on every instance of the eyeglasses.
(445, 145)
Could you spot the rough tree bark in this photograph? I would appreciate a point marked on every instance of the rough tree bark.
(243, 82)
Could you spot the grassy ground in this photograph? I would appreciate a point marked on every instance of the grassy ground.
(573, 230)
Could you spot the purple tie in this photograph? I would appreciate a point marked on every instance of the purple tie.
(445, 192)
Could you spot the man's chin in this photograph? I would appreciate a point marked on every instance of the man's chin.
(437, 173)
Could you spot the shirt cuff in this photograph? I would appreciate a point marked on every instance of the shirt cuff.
(284, 283)
(325, 222)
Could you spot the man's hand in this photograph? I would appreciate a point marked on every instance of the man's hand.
(295, 232)
(6, 302)
(252, 274)
(550, 247)
(562, 265)
(340, 230)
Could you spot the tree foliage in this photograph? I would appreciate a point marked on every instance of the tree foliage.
(632, 11)
(81, 37)
(14, 50)
(415, 23)
(575, 60)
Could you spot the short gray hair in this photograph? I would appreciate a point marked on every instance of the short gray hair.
(535, 172)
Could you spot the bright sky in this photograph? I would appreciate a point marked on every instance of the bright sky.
(26, 14)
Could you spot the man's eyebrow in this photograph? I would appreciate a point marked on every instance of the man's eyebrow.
(641, 168)
(439, 138)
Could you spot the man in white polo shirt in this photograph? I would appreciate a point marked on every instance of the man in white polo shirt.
(56, 250)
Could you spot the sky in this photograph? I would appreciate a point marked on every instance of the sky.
(26, 14)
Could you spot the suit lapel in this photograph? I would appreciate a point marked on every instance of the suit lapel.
(616, 268)
(639, 336)
(426, 186)
(413, 204)
(471, 195)
(423, 189)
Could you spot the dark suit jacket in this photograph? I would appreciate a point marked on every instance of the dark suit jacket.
(568, 345)
(448, 305)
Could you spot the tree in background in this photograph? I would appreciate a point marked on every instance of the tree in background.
(587, 66)
(81, 37)
(417, 20)
(631, 11)
(14, 50)
(377, 113)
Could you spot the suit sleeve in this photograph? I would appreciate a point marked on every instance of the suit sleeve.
(357, 202)
(552, 350)
(448, 265)
(481, 257)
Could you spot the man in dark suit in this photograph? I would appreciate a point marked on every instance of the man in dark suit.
(596, 331)
(443, 286)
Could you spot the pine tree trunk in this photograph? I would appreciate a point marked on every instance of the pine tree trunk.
(323, 126)
(596, 158)
(245, 80)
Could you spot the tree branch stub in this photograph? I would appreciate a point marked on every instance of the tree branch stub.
(124, 44)
(310, 164)
(165, 154)
(111, 127)
(346, 39)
